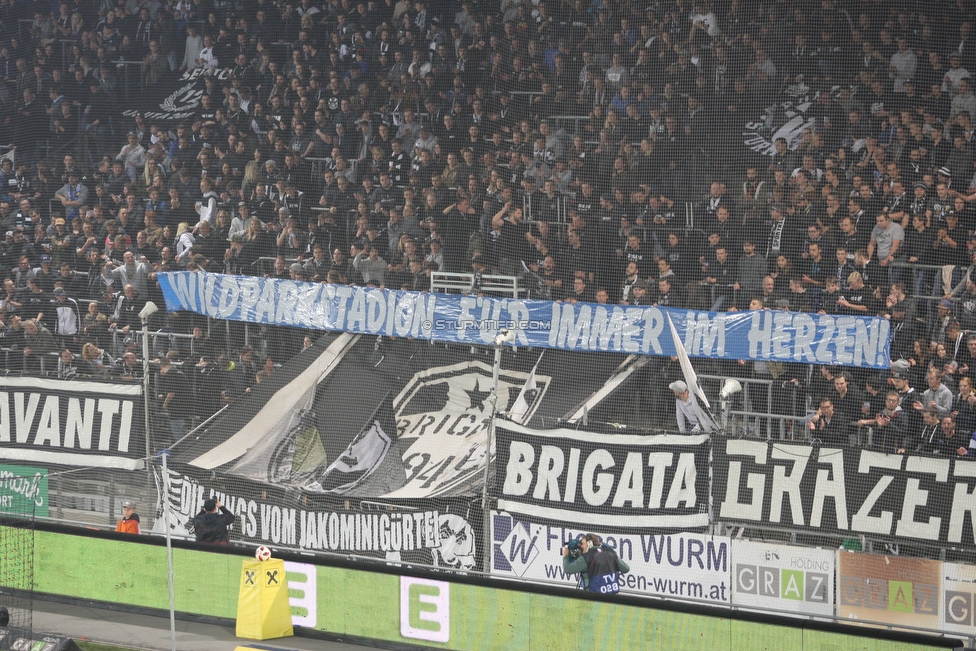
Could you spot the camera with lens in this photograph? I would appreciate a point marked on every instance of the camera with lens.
(575, 547)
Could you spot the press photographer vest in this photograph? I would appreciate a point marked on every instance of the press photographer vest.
(601, 565)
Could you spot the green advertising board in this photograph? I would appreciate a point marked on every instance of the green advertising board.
(407, 610)
(23, 490)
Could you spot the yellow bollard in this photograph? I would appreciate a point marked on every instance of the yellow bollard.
(263, 611)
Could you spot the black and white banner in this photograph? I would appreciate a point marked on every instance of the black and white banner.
(785, 119)
(71, 423)
(173, 101)
(369, 417)
(845, 491)
(608, 480)
(361, 418)
(427, 533)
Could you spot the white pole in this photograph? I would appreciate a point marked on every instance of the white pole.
(169, 553)
(488, 447)
(145, 383)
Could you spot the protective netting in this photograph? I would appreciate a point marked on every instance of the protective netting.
(359, 429)
(21, 498)
(785, 189)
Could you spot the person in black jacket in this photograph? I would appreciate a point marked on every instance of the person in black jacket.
(211, 526)
(825, 424)
(930, 438)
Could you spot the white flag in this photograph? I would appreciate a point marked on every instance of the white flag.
(530, 391)
(705, 419)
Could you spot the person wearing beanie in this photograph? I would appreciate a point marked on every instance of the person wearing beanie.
(685, 406)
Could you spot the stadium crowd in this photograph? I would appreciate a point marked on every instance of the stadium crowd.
(594, 148)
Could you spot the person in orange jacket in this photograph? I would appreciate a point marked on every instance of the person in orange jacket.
(130, 519)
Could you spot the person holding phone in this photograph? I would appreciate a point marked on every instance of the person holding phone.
(210, 524)
(824, 424)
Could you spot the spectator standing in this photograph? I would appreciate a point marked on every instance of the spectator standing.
(750, 271)
(210, 524)
(155, 64)
(127, 308)
(886, 239)
(846, 399)
(130, 519)
(132, 155)
(38, 344)
(171, 395)
(937, 396)
(67, 369)
(965, 101)
(67, 318)
(892, 427)
(902, 65)
(931, 436)
(192, 49)
(206, 206)
(825, 425)
(73, 194)
(951, 444)
(964, 407)
(371, 266)
(130, 272)
(685, 406)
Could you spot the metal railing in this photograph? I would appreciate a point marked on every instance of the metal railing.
(118, 338)
(768, 426)
(575, 119)
(349, 220)
(449, 283)
(265, 264)
(923, 272)
(534, 213)
(750, 420)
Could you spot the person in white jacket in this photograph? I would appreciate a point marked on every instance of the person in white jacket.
(207, 59)
(950, 81)
(194, 45)
(184, 243)
(902, 65)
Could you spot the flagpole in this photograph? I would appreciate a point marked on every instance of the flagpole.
(705, 417)
(503, 337)
(169, 550)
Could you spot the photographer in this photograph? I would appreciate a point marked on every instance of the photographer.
(210, 524)
(597, 565)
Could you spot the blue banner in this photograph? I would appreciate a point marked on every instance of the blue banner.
(751, 335)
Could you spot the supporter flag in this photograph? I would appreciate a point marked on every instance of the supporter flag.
(691, 379)
(372, 417)
(360, 458)
(256, 427)
(526, 397)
